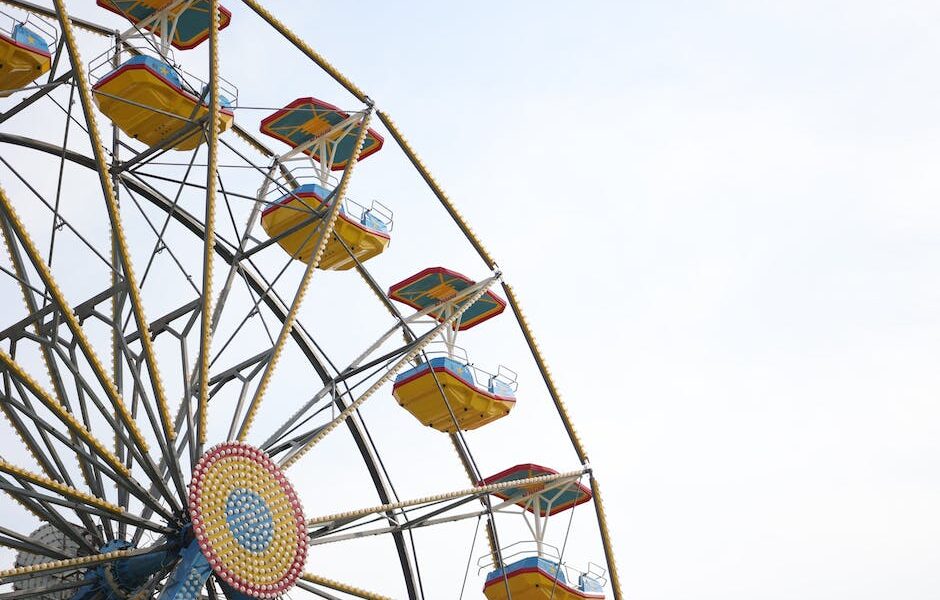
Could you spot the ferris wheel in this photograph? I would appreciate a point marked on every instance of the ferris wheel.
(169, 368)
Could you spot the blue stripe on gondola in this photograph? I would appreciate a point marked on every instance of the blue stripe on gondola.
(27, 37)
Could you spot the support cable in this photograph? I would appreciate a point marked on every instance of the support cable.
(561, 555)
(466, 573)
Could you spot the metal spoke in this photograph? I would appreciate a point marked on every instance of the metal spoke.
(33, 592)
(120, 239)
(89, 472)
(28, 544)
(117, 308)
(71, 424)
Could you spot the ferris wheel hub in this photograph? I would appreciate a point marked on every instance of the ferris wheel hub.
(247, 520)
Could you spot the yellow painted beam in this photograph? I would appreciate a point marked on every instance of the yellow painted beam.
(342, 587)
(288, 324)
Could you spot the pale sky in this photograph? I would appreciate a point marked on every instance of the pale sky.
(721, 218)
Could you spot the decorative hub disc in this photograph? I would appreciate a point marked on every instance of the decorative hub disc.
(247, 520)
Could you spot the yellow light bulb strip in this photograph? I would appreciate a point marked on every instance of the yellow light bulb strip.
(342, 587)
(47, 359)
(60, 488)
(546, 373)
(214, 127)
(438, 191)
(69, 563)
(67, 418)
(474, 491)
(288, 324)
(605, 537)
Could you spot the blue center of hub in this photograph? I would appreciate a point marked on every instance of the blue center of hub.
(249, 519)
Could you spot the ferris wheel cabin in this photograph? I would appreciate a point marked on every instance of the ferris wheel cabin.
(537, 578)
(534, 570)
(146, 99)
(426, 391)
(325, 137)
(24, 57)
(445, 391)
(297, 219)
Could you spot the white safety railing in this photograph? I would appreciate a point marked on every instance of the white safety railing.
(438, 348)
(357, 211)
(503, 375)
(513, 553)
(8, 22)
(102, 65)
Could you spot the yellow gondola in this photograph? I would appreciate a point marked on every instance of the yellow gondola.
(366, 236)
(145, 98)
(536, 571)
(417, 392)
(537, 578)
(433, 390)
(24, 57)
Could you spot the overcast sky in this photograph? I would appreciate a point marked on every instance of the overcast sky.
(722, 218)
